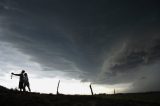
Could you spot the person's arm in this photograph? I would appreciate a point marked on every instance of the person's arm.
(16, 74)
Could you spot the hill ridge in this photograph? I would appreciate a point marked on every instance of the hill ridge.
(10, 97)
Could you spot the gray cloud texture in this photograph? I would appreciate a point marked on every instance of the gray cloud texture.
(102, 41)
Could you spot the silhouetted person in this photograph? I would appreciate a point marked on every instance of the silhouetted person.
(26, 82)
(21, 80)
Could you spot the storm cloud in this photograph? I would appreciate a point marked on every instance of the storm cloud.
(101, 41)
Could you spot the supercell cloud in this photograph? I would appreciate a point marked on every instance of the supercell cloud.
(101, 41)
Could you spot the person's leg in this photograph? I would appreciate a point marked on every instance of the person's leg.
(28, 87)
(20, 86)
(24, 87)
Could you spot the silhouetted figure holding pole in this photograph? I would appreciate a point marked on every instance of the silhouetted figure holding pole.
(91, 89)
(26, 82)
(21, 80)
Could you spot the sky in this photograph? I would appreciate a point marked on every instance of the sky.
(113, 44)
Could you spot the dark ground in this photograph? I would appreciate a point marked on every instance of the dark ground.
(15, 98)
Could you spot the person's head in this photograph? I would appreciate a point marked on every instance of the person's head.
(25, 74)
(23, 71)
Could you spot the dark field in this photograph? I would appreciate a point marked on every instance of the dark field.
(15, 98)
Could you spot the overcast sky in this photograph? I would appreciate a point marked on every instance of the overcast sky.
(105, 42)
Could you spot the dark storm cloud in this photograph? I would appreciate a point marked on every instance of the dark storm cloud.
(104, 41)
